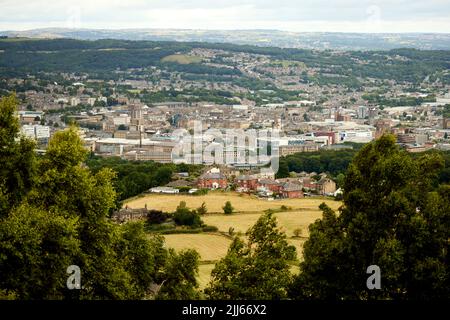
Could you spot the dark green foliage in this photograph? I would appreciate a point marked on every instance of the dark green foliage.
(179, 277)
(62, 220)
(183, 216)
(392, 217)
(210, 229)
(202, 209)
(157, 217)
(135, 177)
(17, 158)
(66, 55)
(228, 208)
(257, 269)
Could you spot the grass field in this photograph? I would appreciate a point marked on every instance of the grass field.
(182, 59)
(214, 201)
(213, 246)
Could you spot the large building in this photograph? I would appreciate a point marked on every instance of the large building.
(135, 149)
(36, 132)
(295, 148)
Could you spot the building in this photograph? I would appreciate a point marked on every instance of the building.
(325, 186)
(362, 112)
(30, 116)
(296, 148)
(36, 132)
(212, 180)
(140, 154)
(268, 184)
(406, 138)
(247, 183)
(292, 190)
(168, 190)
(128, 214)
(134, 149)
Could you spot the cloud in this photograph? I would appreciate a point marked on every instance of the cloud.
(291, 15)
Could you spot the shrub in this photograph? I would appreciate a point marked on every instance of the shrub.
(298, 232)
(185, 217)
(157, 217)
(184, 189)
(202, 209)
(201, 192)
(210, 229)
(228, 208)
(181, 231)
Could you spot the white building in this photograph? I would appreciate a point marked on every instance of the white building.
(36, 131)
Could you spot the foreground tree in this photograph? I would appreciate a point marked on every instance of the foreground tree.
(392, 217)
(61, 218)
(257, 269)
(17, 158)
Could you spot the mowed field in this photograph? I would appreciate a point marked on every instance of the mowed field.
(213, 246)
(214, 201)
(182, 59)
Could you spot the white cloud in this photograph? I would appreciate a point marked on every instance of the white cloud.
(291, 15)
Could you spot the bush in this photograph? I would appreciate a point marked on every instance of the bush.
(185, 217)
(202, 209)
(228, 208)
(231, 231)
(157, 217)
(184, 189)
(210, 229)
(200, 192)
(181, 231)
(298, 232)
(339, 197)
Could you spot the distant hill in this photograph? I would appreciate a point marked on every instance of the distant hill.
(265, 38)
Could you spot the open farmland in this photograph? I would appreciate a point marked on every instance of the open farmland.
(182, 59)
(214, 201)
(211, 247)
(214, 246)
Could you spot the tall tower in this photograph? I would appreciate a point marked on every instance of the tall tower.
(136, 112)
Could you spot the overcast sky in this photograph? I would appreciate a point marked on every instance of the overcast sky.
(290, 15)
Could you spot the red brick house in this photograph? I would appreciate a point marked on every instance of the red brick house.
(247, 183)
(292, 190)
(212, 181)
(271, 185)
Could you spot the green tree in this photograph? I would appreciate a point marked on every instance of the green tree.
(36, 249)
(61, 218)
(186, 217)
(202, 209)
(340, 178)
(179, 277)
(392, 217)
(17, 158)
(228, 208)
(256, 269)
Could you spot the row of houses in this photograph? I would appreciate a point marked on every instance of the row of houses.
(287, 188)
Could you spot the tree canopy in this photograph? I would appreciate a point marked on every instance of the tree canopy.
(59, 216)
(256, 269)
(392, 217)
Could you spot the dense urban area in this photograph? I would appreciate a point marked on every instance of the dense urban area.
(362, 133)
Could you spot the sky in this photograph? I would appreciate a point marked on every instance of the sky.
(378, 16)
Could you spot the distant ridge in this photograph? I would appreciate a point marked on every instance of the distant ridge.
(275, 38)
